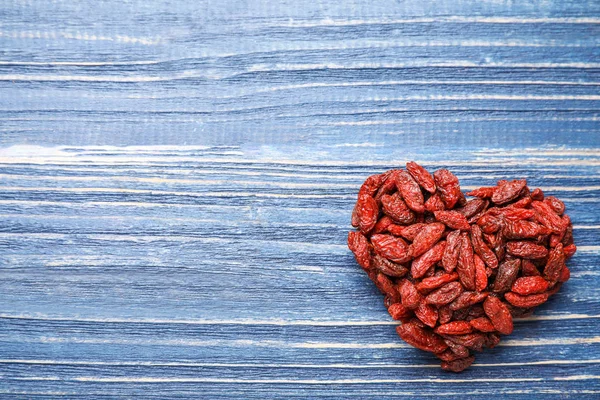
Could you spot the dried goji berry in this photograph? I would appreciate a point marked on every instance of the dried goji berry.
(537, 194)
(458, 365)
(565, 274)
(444, 295)
(525, 249)
(482, 324)
(383, 224)
(530, 285)
(529, 269)
(555, 264)
(458, 349)
(436, 281)
(483, 192)
(546, 216)
(398, 311)
(482, 250)
(556, 205)
(508, 191)
(467, 299)
(420, 174)
(359, 245)
(533, 300)
(524, 230)
(392, 248)
(450, 257)
(421, 338)
(366, 213)
(473, 207)
(410, 191)
(429, 235)
(434, 203)
(507, 274)
(445, 314)
(448, 187)
(472, 341)
(490, 223)
(409, 294)
(454, 328)
(427, 313)
(499, 314)
(394, 206)
(453, 220)
(410, 232)
(481, 279)
(388, 267)
(423, 263)
(466, 266)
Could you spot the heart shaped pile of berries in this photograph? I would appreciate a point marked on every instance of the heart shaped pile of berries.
(454, 271)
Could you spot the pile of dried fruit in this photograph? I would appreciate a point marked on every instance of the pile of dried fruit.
(457, 272)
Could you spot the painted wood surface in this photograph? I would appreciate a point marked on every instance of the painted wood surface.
(176, 181)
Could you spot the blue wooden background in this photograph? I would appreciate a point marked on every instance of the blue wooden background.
(176, 182)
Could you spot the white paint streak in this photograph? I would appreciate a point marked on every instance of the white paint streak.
(329, 22)
(80, 36)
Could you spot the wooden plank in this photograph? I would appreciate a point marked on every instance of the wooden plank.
(176, 182)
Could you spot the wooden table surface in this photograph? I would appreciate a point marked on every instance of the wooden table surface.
(176, 182)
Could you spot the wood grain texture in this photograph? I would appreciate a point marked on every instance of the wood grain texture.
(176, 181)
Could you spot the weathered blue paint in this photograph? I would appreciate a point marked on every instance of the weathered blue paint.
(176, 181)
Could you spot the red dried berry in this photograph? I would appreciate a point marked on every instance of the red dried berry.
(524, 230)
(482, 324)
(530, 285)
(482, 250)
(483, 192)
(420, 174)
(429, 235)
(421, 338)
(526, 249)
(410, 232)
(409, 294)
(453, 220)
(466, 265)
(383, 224)
(467, 299)
(450, 257)
(508, 191)
(423, 263)
(394, 207)
(546, 216)
(499, 314)
(448, 187)
(508, 271)
(555, 264)
(435, 282)
(454, 328)
(481, 278)
(428, 314)
(398, 311)
(392, 248)
(533, 300)
(367, 212)
(434, 203)
(388, 267)
(359, 245)
(458, 365)
(410, 191)
(444, 295)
